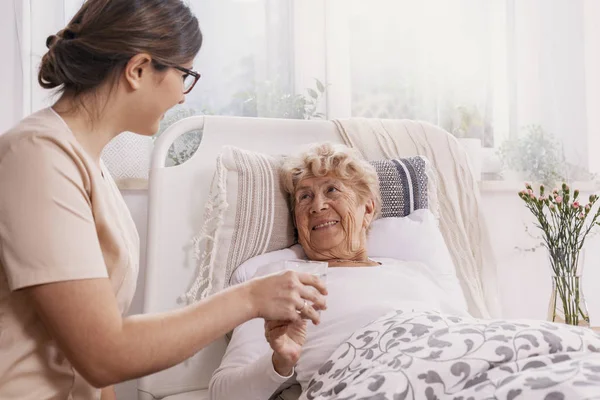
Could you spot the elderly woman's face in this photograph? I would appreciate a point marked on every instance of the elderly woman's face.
(330, 218)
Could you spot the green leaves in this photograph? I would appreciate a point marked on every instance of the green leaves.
(320, 86)
(536, 153)
(277, 99)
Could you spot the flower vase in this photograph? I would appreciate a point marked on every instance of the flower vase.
(567, 302)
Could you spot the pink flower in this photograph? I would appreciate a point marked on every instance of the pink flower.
(581, 216)
(587, 207)
(576, 205)
(552, 207)
(543, 198)
(529, 191)
(532, 196)
(559, 199)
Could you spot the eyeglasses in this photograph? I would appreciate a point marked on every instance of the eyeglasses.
(189, 79)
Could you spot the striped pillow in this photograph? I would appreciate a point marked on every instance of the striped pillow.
(248, 211)
(247, 214)
(403, 185)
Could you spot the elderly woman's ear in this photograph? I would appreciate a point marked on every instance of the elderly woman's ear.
(369, 213)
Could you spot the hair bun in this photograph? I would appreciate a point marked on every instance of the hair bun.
(51, 40)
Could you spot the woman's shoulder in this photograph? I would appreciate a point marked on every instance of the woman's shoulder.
(35, 136)
(38, 148)
(40, 128)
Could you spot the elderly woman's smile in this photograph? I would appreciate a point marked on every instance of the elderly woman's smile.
(324, 225)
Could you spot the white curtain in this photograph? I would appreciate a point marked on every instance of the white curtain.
(11, 69)
(553, 69)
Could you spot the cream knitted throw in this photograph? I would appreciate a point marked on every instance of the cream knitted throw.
(455, 192)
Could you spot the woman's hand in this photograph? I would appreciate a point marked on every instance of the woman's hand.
(285, 296)
(286, 339)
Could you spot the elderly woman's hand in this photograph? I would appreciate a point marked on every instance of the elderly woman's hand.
(285, 296)
(286, 339)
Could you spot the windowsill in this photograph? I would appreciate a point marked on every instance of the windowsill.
(485, 186)
(488, 186)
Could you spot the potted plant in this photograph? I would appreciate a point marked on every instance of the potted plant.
(535, 156)
(271, 99)
(565, 220)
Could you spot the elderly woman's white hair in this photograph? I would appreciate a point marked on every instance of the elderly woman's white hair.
(327, 159)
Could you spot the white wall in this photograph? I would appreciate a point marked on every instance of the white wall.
(11, 77)
(524, 277)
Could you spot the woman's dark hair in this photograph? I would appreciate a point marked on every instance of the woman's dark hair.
(104, 35)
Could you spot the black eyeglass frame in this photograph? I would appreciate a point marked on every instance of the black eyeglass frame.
(195, 74)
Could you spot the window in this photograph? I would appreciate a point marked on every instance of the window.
(504, 71)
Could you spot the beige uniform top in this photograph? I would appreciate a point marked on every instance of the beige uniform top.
(61, 218)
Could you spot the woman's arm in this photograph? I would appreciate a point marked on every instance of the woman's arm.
(83, 317)
(246, 370)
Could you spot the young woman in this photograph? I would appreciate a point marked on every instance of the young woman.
(68, 246)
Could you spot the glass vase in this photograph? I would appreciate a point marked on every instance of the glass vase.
(567, 302)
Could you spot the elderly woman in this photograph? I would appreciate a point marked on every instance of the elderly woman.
(334, 197)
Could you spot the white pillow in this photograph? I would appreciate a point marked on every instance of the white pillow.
(415, 237)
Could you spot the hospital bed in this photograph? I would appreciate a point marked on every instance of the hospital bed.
(177, 197)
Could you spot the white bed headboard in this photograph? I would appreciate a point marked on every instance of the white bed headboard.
(176, 206)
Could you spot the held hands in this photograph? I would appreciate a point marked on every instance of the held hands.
(286, 339)
(286, 296)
